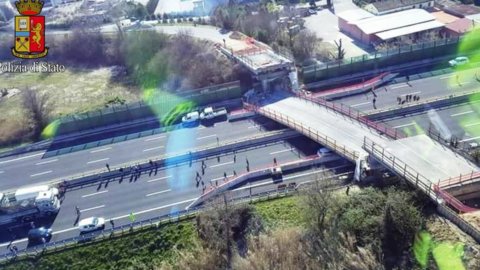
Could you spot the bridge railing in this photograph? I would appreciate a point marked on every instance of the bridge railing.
(462, 179)
(356, 115)
(306, 130)
(412, 176)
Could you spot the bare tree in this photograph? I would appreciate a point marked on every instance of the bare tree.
(340, 50)
(38, 110)
(304, 44)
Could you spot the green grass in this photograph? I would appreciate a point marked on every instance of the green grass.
(140, 250)
(282, 212)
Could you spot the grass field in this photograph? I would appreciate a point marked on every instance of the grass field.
(70, 92)
(149, 248)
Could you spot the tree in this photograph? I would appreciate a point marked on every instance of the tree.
(151, 6)
(340, 50)
(304, 44)
(37, 109)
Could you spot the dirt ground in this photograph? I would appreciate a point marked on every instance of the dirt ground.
(70, 92)
(444, 230)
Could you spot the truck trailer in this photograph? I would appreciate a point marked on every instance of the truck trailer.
(28, 204)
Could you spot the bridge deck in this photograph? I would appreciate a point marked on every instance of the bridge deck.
(344, 130)
(433, 160)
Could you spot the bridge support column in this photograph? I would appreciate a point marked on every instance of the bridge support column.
(265, 85)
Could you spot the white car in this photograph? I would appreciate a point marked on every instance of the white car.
(91, 224)
(459, 61)
(191, 118)
(323, 151)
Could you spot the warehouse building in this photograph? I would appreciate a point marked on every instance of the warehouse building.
(372, 30)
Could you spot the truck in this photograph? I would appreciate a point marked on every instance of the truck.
(28, 204)
(191, 118)
(211, 113)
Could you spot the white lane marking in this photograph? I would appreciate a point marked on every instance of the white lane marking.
(462, 113)
(20, 158)
(158, 179)
(92, 208)
(154, 148)
(154, 209)
(38, 174)
(98, 160)
(360, 104)
(413, 93)
(158, 192)
(46, 162)
(115, 218)
(221, 164)
(96, 193)
(201, 138)
(281, 151)
(406, 125)
(100, 150)
(446, 77)
(399, 86)
(155, 138)
(472, 124)
(220, 178)
(470, 139)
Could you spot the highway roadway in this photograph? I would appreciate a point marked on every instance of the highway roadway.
(171, 189)
(430, 87)
(459, 120)
(32, 168)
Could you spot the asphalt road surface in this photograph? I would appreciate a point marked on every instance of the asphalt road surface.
(32, 168)
(460, 120)
(431, 87)
(168, 191)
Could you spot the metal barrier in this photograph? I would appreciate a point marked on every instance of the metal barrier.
(464, 179)
(307, 131)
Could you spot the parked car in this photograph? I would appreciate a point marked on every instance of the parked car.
(91, 224)
(40, 234)
(323, 151)
(459, 61)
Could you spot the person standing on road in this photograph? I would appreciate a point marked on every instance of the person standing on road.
(234, 158)
(77, 210)
(275, 161)
(108, 166)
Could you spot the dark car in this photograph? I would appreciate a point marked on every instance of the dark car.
(41, 235)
